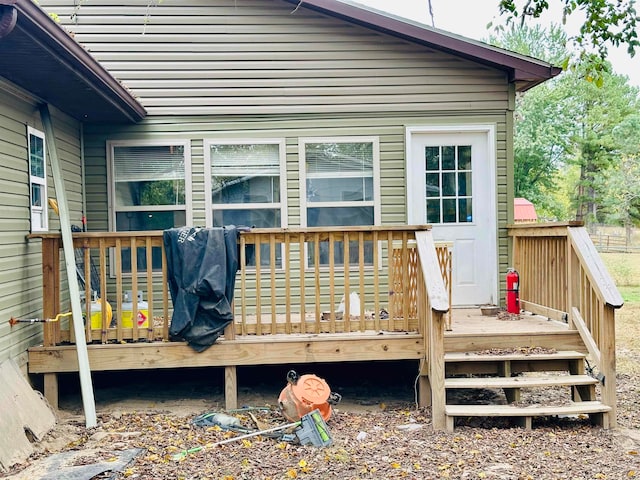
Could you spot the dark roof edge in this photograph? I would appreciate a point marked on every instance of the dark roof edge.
(8, 18)
(40, 26)
(524, 71)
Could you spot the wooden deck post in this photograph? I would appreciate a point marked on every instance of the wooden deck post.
(50, 308)
(436, 370)
(230, 387)
(51, 289)
(608, 366)
(230, 374)
(424, 386)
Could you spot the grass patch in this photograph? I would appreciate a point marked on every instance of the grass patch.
(623, 267)
(625, 270)
(630, 294)
(627, 338)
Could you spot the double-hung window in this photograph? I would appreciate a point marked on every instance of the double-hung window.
(150, 189)
(246, 181)
(37, 180)
(339, 185)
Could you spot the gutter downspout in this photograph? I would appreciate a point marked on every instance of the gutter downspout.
(84, 370)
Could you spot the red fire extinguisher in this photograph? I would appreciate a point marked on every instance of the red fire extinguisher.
(513, 296)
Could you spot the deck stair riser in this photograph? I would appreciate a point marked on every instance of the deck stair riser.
(520, 382)
(471, 363)
(513, 372)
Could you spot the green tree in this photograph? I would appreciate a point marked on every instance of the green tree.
(542, 125)
(597, 112)
(567, 122)
(606, 23)
(622, 204)
(548, 44)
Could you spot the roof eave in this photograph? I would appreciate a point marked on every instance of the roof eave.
(38, 25)
(524, 72)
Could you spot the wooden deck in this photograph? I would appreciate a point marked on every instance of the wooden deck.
(402, 280)
(472, 331)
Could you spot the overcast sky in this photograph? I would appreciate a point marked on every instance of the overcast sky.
(470, 18)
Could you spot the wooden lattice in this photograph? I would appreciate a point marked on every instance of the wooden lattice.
(408, 275)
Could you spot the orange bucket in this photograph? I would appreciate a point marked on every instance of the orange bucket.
(303, 395)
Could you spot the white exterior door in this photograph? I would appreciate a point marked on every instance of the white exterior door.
(451, 185)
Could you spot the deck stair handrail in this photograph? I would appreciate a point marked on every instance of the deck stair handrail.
(434, 307)
(563, 277)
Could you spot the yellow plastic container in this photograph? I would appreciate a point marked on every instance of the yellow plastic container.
(96, 314)
(142, 316)
(127, 311)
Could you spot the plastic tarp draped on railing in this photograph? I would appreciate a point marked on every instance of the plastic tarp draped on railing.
(202, 265)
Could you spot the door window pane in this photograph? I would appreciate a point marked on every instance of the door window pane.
(464, 184)
(466, 215)
(433, 211)
(464, 157)
(448, 158)
(433, 184)
(448, 184)
(449, 212)
(432, 158)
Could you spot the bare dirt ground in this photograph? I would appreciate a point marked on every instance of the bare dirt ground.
(377, 433)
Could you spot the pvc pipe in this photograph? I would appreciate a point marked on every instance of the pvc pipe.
(86, 386)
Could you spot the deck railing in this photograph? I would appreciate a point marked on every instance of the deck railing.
(322, 280)
(562, 277)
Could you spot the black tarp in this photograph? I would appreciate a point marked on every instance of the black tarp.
(202, 265)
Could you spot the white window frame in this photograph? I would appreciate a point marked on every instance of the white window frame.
(282, 205)
(375, 203)
(111, 189)
(111, 144)
(42, 211)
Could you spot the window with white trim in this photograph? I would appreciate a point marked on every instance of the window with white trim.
(150, 189)
(448, 184)
(246, 181)
(37, 180)
(340, 186)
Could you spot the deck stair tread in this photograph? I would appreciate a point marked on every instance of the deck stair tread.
(486, 357)
(520, 382)
(576, 408)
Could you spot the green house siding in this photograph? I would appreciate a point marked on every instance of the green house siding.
(20, 258)
(390, 129)
(257, 69)
(182, 57)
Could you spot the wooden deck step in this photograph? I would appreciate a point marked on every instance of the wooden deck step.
(524, 412)
(512, 363)
(520, 382)
(487, 357)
